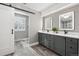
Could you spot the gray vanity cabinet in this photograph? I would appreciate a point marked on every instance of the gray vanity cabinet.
(59, 45)
(46, 40)
(62, 45)
(56, 43)
(43, 39)
(40, 38)
(50, 41)
(71, 47)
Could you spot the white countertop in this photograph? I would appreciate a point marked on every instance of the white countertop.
(69, 34)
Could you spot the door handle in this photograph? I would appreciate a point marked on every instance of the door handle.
(12, 31)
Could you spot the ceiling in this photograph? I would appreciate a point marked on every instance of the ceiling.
(38, 6)
(44, 8)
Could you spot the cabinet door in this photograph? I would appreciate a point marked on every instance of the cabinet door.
(46, 40)
(43, 39)
(40, 37)
(59, 45)
(51, 42)
(71, 47)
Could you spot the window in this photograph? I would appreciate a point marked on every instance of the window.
(20, 22)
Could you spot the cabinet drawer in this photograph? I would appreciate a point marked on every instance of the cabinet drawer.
(71, 41)
(71, 51)
(71, 47)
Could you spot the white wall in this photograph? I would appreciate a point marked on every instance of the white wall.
(35, 23)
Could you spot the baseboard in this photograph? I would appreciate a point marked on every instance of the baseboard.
(36, 43)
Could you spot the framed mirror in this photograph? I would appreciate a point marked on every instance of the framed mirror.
(66, 21)
(48, 23)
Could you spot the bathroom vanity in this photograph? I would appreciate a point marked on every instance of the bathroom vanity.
(63, 44)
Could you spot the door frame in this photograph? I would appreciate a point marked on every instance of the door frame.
(25, 14)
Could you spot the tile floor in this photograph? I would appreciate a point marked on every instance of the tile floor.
(38, 50)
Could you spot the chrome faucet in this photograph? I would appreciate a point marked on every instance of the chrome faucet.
(65, 31)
